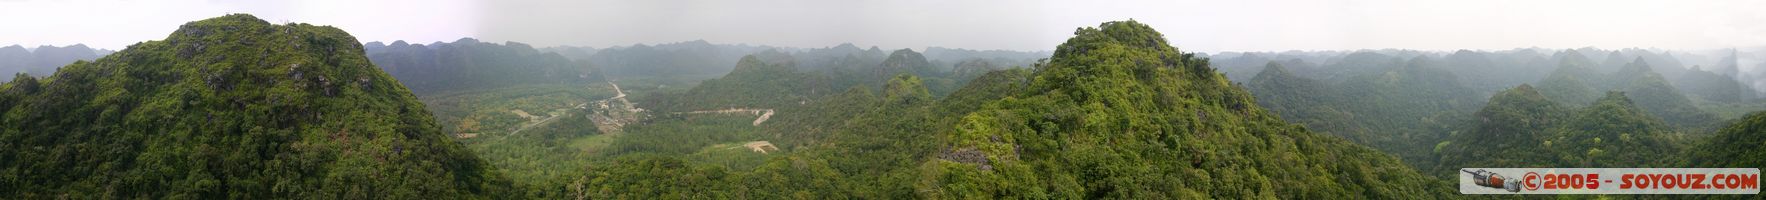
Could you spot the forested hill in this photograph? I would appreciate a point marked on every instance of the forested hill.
(231, 107)
(1508, 132)
(1737, 145)
(776, 79)
(1708, 85)
(1300, 100)
(1574, 83)
(1399, 109)
(1522, 128)
(1119, 113)
(754, 83)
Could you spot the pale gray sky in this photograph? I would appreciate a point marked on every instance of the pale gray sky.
(1211, 26)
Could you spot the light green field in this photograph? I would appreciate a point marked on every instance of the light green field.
(568, 141)
(732, 155)
(593, 144)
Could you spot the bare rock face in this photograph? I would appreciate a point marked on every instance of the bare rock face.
(967, 155)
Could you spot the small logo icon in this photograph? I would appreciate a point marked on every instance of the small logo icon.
(1493, 180)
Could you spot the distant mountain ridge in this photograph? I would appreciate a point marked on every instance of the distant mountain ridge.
(470, 64)
(43, 60)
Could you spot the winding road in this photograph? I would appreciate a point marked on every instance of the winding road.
(764, 113)
(618, 95)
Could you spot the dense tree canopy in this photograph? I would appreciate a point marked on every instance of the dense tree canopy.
(1508, 132)
(1400, 109)
(1119, 113)
(237, 108)
(1521, 128)
(1737, 145)
(230, 107)
(754, 83)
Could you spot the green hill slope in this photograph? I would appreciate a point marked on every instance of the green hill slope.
(1737, 145)
(1119, 113)
(1507, 132)
(1653, 93)
(230, 108)
(1573, 82)
(1713, 87)
(755, 82)
(1522, 128)
(1612, 132)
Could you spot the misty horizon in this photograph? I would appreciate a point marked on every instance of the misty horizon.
(911, 99)
(1201, 26)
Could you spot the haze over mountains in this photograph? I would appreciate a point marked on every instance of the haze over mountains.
(43, 60)
(1488, 70)
(237, 107)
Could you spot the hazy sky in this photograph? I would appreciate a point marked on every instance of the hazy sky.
(1211, 26)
